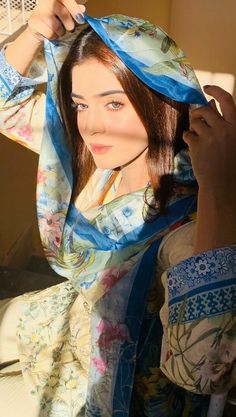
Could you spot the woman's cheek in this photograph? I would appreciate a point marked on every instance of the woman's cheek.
(80, 125)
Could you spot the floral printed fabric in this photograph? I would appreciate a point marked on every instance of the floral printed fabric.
(91, 346)
(22, 115)
(151, 54)
(202, 322)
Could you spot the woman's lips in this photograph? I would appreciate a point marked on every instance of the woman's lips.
(99, 149)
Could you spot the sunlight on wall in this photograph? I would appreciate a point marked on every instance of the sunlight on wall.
(225, 81)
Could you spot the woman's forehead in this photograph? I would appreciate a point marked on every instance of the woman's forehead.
(93, 76)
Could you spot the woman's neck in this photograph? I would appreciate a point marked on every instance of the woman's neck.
(134, 175)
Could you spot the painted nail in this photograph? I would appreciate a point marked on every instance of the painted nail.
(79, 18)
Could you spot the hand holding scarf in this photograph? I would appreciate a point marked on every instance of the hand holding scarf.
(212, 145)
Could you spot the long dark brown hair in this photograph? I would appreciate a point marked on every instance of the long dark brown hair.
(164, 119)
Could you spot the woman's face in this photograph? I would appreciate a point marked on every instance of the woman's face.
(107, 121)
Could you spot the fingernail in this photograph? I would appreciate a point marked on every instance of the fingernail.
(79, 18)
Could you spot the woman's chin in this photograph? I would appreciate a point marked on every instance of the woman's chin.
(103, 165)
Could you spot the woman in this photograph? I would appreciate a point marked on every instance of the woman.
(113, 216)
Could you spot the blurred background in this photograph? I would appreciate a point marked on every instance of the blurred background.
(205, 30)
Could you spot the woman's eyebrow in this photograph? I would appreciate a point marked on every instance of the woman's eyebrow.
(105, 93)
(109, 93)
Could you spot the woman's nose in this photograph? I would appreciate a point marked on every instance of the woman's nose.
(94, 122)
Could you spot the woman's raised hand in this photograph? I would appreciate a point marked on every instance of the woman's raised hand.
(50, 19)
(212, 146)
(212, 143)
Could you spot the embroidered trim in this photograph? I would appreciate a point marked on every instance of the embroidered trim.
(12, 84)
(206, 268)
(207, 304)
(203, 285)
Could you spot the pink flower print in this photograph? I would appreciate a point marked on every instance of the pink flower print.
(152, 34)
(50, 224)
(51, 221)
(217, 366)
(101, 326)
(100, 365)
(41, 176)
(26, 132)
(57, 240)
(214, 372)
(111, 276)
(110, 333)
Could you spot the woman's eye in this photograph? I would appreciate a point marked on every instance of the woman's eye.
(115, 105)
(79, 106)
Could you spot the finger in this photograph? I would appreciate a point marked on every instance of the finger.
(74, 8)
(199, 127)
(212, 104)
(225, 100)
(189, 137)
(210, 116)
(56, 26)
(65, 17)
(50, 27)
(81, 4)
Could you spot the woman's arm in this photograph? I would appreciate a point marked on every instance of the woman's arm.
(212, 146)
(21, 53)
(199, 314)
(22, 108)
(50, 19)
